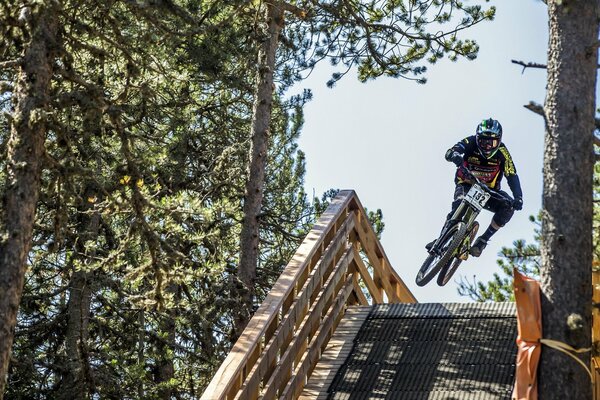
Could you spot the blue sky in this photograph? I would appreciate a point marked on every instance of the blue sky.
(386, 139)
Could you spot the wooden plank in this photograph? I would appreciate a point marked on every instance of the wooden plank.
(296, 384)
(336, 353)
(296, 314)
(367, 279)
(231, 369)
(362, 299)
(311, 319)
(386, 273)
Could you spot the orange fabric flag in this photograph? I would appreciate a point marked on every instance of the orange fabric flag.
(529, 320)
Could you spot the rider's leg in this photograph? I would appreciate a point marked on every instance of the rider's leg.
(502, 214)
(482, 241)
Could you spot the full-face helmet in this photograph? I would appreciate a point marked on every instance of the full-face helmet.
(488, 137)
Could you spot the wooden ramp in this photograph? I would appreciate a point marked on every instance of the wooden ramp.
(341, 324)
(463, 351)
(339, 264)
(329, 328)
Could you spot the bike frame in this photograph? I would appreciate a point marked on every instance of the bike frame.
(464, 213)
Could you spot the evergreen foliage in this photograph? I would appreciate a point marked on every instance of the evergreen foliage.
(131, 287)
(385, 37)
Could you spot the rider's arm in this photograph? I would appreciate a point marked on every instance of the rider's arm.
(456, 152)
(515, 186)
(511, 173)
(454, 156)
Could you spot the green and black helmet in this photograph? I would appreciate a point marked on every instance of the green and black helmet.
(488, 137)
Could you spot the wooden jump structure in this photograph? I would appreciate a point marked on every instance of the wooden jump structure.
(284, 340)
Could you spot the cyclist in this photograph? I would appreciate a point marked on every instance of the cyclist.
(488, 159)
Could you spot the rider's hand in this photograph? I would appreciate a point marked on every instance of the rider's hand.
(456, 158)
(518, 203)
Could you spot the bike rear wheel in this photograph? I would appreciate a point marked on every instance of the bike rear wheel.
(449, 269)
(448, 245)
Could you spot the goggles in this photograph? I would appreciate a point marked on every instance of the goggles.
(488, 143)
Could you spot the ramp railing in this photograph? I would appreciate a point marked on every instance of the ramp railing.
(340, 262)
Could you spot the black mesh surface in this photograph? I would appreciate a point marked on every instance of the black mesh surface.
(432, 351)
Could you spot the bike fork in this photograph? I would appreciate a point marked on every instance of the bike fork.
(465, 246)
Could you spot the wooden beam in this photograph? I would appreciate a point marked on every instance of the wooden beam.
(294, 387)
(299, 309)
(229, 373)
(367, 279)
(360, 296)
(378, 259)
(311, 319)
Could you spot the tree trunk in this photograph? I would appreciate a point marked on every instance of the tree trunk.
(78, 382)
(566, 245)
(261, 119)
(165, 366)
(141, 348)
(24, 165)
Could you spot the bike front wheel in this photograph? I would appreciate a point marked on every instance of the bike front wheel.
(447, 248)
(449, 269)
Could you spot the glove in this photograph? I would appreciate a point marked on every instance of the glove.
(518, 203)
(456, 158)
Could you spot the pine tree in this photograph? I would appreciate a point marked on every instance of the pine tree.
(566, 245)
(134, 248)
(37, 33)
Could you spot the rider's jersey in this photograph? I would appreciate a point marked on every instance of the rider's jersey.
(489, 170)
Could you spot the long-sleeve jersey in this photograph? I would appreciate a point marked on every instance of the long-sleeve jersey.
(488, 170)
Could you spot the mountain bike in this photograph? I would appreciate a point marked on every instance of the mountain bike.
(453, 245)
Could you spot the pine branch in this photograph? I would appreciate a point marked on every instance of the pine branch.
(532, 65)
(529, 65)
(536, 108)
(10, 63)
(539, 109)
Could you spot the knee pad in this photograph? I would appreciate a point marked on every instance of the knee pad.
(502, 217)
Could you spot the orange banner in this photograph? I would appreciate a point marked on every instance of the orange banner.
(529, 320)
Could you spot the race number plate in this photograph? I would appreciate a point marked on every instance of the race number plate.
(477, 197)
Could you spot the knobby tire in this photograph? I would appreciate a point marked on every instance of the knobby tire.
(449, 269)
(455, 235)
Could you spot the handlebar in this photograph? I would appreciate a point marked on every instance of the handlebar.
(495, 194)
